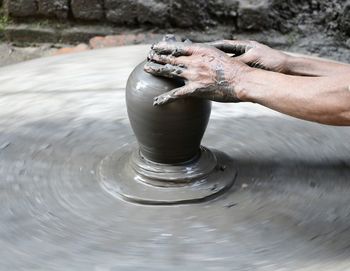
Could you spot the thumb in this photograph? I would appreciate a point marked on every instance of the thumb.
(236, 47)
(251, 60)
(245, 58)
(172, 95)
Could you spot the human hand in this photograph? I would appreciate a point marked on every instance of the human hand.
(254, 54)
(207, 72)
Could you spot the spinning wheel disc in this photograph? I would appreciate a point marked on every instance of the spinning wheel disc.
(289, 208)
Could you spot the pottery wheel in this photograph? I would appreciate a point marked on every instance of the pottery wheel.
(289, 208)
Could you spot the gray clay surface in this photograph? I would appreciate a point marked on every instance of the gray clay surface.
(59, 117)
(166, 134)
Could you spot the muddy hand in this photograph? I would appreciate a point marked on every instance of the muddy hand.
(254, 54)
(208, 73)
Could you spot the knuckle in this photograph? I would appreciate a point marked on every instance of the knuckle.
(181, 59)
(191, 73)
(179, 92)
(172, 60)
(202, 66)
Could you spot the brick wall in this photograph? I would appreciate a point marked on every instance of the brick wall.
(284, 16)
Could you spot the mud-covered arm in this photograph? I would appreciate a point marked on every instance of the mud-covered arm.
(320, 99)
(261, 56)
(313, 66)
(209, 73)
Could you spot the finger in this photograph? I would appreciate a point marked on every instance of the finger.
(250, 60)
(245, 58)
(237, 47)
(173, 48)
(167, 70)
(173, 95)
(168, 59)
(258, 65)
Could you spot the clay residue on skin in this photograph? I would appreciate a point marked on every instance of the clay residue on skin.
(222, 89)
(164, 70)
(221, 79)
(223, 83)
(176, 52)
(179, 50)
(212, 83)
(164, 98)
(227, 47)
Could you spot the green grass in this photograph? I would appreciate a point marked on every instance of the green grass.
(4, 20)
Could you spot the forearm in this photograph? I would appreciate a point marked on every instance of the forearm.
(320, 99)
(313, 66)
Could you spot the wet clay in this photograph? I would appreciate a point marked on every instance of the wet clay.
(288, 209)
(125, 175)
(167, 134)
(169, 166)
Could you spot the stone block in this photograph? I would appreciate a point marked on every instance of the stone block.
(20, 8)
(54, 8)
(224, 11)
(121, 11)
(184, 13)
(87, 9)
(84, 33)
(344, 21)
(347, 43)
(154, 12)
(31, 33)
(254, 15)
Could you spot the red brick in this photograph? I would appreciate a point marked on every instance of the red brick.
(68, 50)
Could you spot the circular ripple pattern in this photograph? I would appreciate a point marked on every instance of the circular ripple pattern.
(208, 177)
(288, 210)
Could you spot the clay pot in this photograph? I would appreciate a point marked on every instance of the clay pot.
(170, 133)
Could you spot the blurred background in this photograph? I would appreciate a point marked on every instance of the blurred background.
(34, 28)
